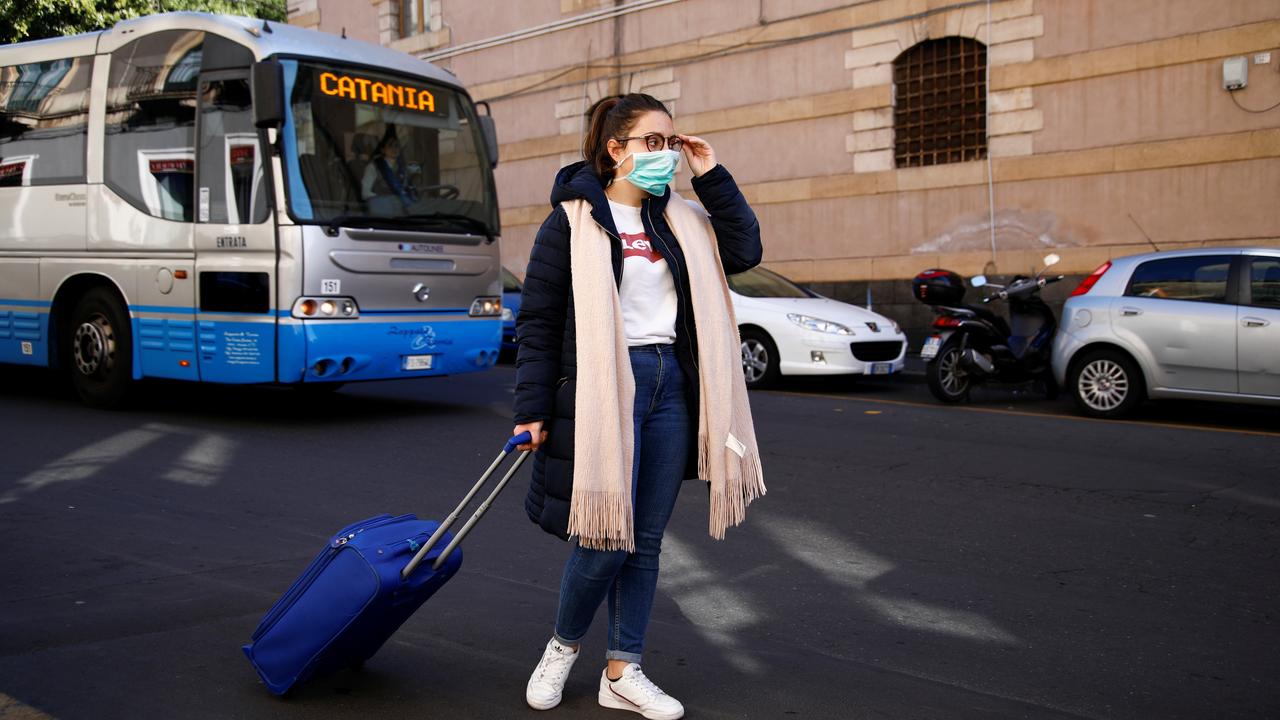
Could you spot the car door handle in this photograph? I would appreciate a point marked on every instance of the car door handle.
(1130, 311)
(1254, 322)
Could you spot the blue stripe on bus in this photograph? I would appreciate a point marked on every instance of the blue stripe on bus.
(162, 346)
(26, 303)
(316, 351)
(185, 310)
(229, 351)
(24, 336)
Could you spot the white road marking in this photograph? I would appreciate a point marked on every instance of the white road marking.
(717, 610)
(845, 563)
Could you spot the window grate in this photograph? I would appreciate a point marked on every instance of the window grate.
(940, 113)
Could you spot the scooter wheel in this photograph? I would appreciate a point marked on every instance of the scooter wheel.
(948, 380)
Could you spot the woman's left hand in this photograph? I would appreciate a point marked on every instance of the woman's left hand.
(698, 153)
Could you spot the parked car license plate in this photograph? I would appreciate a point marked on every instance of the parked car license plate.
(931, 346)
(881, 369)
(418, 362)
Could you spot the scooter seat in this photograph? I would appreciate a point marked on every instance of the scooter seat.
(990, 317)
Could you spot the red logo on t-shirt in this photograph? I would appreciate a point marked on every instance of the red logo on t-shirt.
(638, 245)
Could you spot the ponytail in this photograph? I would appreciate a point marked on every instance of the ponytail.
(611, 118)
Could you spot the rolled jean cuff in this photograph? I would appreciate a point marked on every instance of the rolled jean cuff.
(562, 641)
(623, 656)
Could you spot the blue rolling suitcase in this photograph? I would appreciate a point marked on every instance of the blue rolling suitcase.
(370, 577)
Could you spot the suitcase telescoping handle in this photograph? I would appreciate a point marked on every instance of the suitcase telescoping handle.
(515, 441)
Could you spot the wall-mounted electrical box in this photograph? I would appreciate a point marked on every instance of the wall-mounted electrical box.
(1235, 73)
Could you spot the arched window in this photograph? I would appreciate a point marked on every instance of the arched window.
(940, 113)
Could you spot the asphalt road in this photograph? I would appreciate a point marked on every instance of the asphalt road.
(1003, 560)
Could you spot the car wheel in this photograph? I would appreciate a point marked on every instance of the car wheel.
(1106, 384)
(99, 347)
(759, 359)
(948, 380)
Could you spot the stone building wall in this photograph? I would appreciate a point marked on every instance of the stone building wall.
(1108, 128)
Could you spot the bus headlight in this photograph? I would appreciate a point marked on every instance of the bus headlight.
(324, 308)
(486, 307)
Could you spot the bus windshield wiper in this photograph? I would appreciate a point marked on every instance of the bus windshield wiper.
(451, 218)
(466, 221)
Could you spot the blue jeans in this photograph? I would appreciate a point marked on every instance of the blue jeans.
(631, 579)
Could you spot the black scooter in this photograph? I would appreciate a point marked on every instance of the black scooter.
(972, 345)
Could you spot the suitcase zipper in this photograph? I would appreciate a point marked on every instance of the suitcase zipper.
(342, 537)
(294, 592)
(350, 532)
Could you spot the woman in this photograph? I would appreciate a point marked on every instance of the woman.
(623, 393)
(387, 176)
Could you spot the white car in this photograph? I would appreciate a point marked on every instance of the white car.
(787, 330)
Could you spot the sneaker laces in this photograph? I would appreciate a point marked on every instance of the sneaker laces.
(643, 682)
(555, 662)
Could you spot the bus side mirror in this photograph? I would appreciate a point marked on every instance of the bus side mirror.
(490, 139)
(267, 86)
(490, 132)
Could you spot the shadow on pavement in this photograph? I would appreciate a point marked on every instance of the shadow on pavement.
(1030, 398)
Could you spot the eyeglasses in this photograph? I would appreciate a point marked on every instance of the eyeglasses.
(653, 141)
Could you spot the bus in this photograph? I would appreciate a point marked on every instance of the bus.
(228, 200)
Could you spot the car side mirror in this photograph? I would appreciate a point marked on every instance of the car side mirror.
(267, 88)
(978, 281)
(1051, 259)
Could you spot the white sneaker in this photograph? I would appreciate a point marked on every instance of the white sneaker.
(546, 685)
(637, 693)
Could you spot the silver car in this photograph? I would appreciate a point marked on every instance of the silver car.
(1197, 324)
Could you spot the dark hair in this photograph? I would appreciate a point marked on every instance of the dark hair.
(611, 118)
(388, 136)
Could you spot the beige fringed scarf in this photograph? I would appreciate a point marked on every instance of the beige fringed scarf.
(600, 512)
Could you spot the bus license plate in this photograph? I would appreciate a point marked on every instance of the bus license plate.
(881, 368)
(930, 349)
(418, 362)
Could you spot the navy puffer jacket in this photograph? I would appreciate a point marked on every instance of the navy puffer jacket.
(546, 370)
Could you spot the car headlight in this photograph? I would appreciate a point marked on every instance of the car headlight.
(819, 325)
(897, 329)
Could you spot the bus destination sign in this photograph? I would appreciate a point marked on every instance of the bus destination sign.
(352, 87)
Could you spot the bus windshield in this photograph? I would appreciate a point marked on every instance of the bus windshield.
(371, 149)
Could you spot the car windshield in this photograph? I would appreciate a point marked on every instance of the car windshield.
(374, 149)
(761, 283)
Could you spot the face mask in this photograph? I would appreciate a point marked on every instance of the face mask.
(653, 171)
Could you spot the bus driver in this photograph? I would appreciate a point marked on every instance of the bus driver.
(386, 177)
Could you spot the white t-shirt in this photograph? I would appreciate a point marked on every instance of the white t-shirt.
(648, 291)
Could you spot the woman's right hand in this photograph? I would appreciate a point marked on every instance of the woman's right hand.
(535, 432)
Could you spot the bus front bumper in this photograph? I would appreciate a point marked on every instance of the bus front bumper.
(386, 348)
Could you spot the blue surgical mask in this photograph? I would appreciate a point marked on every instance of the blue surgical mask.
(653, 171)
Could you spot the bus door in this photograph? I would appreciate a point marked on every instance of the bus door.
(235, 239)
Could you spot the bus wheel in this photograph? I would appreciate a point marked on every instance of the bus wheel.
(99, 348)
